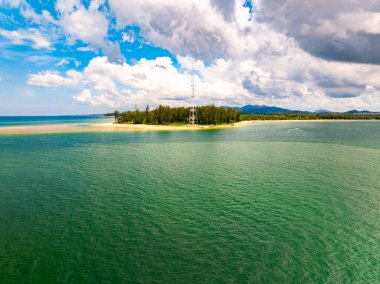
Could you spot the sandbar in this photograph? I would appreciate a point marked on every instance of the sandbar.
(121, 127)
(108, 127)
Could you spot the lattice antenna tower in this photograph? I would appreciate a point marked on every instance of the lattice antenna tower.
(193, 110)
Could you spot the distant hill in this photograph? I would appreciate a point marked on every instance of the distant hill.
(358, 111)
(320, 111)
(262, 109)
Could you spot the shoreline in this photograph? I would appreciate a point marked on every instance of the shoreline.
(107, 127)
(120, 127)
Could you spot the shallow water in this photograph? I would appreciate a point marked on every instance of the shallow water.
(52, 120)
(268, 203)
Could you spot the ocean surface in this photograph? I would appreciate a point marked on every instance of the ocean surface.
(53, 120)
(268, 203)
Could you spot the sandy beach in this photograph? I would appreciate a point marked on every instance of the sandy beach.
(114, 127)
(108, 127)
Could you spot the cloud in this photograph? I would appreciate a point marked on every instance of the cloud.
(12, 3)
(73, 23)
(79, 23)
(88, 25)
(24, 36)
(54, 79)
(197, 28)
(276, 56)
(86, 97)
(42, 19)
(113, 52)
(158, 81)
(343, 30)
(62, 62)
(129, 36)
(251, 87)
(85, 49)
(207, 30)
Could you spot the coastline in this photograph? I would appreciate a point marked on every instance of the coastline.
(116, 127)
(108, 127)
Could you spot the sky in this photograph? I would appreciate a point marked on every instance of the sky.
(94, 56)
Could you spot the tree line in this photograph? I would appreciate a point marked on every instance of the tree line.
(179, 115)
(312, 116)
(220, 115)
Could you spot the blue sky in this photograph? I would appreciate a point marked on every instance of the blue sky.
(19, 60)
(93, 56)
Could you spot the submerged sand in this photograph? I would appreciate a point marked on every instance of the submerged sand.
(108, 127)
(115, 127)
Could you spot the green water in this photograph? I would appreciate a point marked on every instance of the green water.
(271, 203)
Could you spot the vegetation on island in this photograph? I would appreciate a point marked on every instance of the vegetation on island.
(116, 114)
(179, 115)
(312, 116)
(207, 115)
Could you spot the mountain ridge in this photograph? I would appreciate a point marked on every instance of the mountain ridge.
(264, 109)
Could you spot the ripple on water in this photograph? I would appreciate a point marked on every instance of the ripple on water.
(196, 208)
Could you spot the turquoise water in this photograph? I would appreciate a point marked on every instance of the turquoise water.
(49, 120)
(269, 203)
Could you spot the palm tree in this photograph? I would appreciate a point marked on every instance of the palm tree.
(147, 114)
(116, 114)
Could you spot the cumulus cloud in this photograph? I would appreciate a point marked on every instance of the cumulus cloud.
(62, 62)
(198, 28)
(129, 36)
(159, 81)
(344, 30)
(54, 79)
(89, 25)
(42, 19)
(148, 80)
(79, 23)
(86, 97)
(24, 36)
(11, 3)
(74, 22)
(275, 57)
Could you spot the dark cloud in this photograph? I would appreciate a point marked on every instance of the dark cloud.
(338, 87)
(226, 7)
(360, 48)
(341, 93)
(175, 99)
(197, 42)
(251, 87)
(317, 26)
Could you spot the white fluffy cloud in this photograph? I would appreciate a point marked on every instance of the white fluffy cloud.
(88, 25)
(347, 23)
(23, 36)
(74, 23)
(195, 28)
(240, 58)
(11, 3)
(79, 23)
(225, 82)
(54, 79)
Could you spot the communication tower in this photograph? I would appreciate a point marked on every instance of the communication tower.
(193, 110)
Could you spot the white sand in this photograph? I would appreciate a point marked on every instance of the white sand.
(112, 127)
(108, 127)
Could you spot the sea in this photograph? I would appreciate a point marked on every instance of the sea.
(53, 120)
(279, 202)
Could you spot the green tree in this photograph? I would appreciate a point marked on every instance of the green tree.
(147, 114)
(116, 114)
